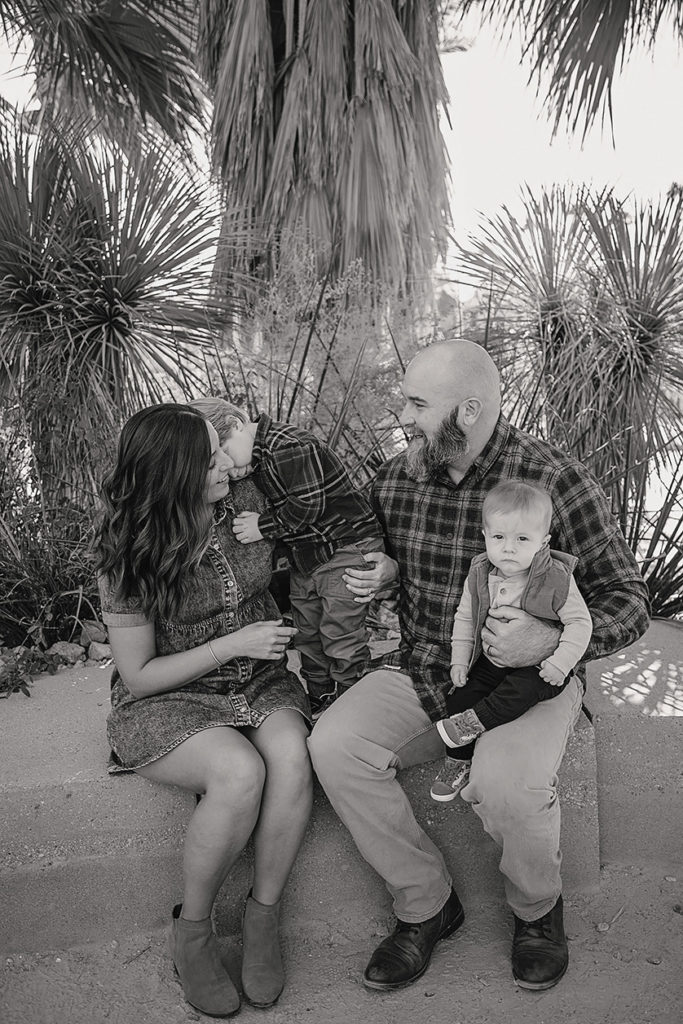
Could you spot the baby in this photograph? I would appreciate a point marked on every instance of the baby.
(517, 569)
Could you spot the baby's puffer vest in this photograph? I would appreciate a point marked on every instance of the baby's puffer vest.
(545, 592)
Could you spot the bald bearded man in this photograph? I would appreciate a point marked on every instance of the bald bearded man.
(429, 502)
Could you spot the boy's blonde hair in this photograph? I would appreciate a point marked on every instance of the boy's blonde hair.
(516, 496)
(221, 414)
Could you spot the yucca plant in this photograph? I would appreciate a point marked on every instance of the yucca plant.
(98, 248)
(588, 297)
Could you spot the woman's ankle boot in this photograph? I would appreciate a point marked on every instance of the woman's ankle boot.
(206, 983)
(263, 977)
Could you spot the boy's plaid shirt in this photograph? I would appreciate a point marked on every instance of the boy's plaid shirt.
(433, 529)
(315, 507)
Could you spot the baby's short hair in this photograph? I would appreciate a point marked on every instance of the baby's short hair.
(221, 414)
(517, 496)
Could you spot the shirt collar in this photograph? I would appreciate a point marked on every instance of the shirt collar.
(494, 448)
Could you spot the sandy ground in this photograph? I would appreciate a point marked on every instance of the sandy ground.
(626, 947)
(626, 941)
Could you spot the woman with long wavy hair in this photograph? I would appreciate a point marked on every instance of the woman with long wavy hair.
(201, 696)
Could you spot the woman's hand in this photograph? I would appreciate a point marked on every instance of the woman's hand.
(368, 583)
(266, 640)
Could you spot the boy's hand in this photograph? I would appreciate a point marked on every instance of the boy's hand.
(458, 676)
(238, 473)
(245, 527)
(551, 674)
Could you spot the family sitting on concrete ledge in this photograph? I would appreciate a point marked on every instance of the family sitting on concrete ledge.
(202, 697)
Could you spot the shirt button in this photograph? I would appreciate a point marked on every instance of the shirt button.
(444, 579)
(449, 536)
(229, 583)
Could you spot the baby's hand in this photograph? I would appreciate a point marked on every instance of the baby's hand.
(551, 674)
(245, 527)
(458, 676)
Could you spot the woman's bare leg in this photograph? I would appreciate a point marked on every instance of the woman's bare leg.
(286, 801)
(223, 766)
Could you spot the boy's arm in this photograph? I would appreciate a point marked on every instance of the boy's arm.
(577, 628)
(298, 472)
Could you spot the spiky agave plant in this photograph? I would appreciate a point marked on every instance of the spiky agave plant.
(105, 264)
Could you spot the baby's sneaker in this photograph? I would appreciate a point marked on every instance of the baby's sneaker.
(460, 729)
(450, 780)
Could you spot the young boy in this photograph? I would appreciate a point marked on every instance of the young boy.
(517, 569)
(327, 525)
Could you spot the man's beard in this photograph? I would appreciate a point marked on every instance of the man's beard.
(427, 458)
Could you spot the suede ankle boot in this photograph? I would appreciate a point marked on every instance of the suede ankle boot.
(263, 976)
(206, 983)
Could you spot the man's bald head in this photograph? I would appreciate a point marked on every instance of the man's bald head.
(460, 368)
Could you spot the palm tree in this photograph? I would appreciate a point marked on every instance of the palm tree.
(578, 46)
(326, 124)
(127, 66)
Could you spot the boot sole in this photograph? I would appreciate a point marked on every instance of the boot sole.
(443, 798)
(384, 986)
(260, 1006)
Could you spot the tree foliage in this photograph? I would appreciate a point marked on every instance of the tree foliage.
(578, 47)
(326, 122)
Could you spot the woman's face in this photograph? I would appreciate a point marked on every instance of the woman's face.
(217, 479)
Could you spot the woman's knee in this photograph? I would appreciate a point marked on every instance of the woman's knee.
(237, 773)
(287, 758)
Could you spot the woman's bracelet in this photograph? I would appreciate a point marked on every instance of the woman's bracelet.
(213, 654)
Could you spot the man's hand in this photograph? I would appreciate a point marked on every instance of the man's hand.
(515, 638)
(245, 527)
(368, 583)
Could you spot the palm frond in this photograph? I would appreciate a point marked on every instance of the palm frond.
(579, 46)
(326, 123)
(118, 61)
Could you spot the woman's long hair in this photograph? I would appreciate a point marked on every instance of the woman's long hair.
(156, 523)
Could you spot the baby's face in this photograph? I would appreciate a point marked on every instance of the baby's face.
(512, 539)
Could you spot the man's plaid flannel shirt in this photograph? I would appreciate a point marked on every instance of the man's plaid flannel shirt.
(434, 530)
(315, 508)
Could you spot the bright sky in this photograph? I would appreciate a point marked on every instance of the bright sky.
(501, 137)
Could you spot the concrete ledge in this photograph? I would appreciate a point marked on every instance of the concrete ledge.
(88, 856)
